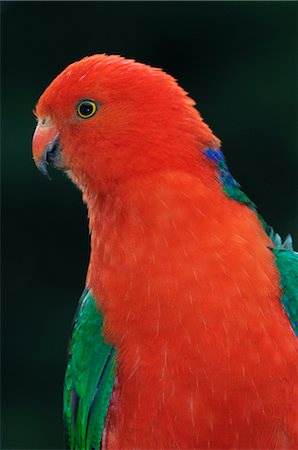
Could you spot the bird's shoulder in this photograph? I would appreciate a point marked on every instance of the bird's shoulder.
(286, 258)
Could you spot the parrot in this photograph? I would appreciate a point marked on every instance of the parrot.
(185, 336)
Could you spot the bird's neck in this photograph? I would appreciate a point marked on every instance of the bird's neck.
(152, 232)
(142, 237)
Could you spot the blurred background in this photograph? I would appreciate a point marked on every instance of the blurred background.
(239, 62)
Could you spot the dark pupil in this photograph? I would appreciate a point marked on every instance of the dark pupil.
(86, 109)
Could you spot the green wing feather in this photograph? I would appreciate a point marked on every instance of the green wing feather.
(287, 264)
(89, 378)
(286, 258)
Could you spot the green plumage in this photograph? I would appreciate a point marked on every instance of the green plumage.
(89, 378)
(287, 264)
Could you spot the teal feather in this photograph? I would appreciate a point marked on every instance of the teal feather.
(89, 378)
(287, 264)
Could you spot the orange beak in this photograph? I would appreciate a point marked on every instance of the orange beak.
(46, 148)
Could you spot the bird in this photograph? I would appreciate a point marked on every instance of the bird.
(185, 336)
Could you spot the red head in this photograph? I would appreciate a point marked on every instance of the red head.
(106, 118)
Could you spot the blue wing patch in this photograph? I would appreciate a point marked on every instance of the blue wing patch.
(229, 184)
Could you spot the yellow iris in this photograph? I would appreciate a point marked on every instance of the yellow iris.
(86, 109)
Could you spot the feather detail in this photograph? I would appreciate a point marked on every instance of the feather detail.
(89, 378)
(287, 262)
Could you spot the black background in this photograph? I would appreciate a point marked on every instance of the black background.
(239, 62)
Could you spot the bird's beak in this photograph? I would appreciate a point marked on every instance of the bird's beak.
(46, 148)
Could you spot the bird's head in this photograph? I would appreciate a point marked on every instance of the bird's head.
(106, 118)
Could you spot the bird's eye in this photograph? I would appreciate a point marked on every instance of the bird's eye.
(86, 109)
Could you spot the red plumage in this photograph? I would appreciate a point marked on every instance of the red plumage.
(182, 273)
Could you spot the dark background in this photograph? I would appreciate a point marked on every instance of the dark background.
(238, 60)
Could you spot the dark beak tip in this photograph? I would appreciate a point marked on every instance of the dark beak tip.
(51, 156)
(43, 168)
